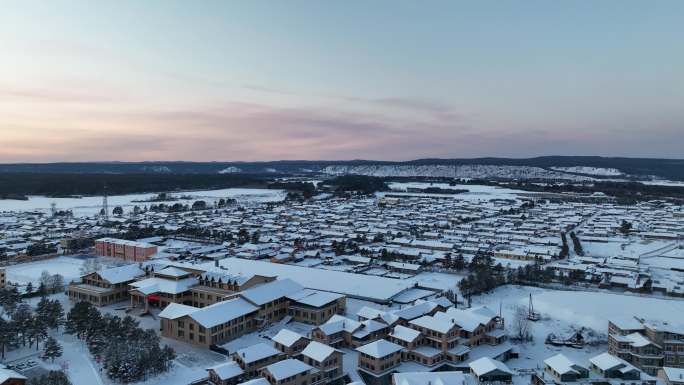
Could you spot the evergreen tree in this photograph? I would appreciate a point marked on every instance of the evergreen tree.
(51, 350)
(7, 335)
(29, 288)
(576, 244)
(52, 378)
(23, 319)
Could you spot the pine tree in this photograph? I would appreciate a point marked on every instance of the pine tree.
(52, 349)
(29, 288)
(7, 335)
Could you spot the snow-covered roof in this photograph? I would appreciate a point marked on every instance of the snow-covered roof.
(7, 374)
(357, 285)
(256, 381)
(405, 334)
(674, 374)
(176, 310)
(172, 271)
(338, 323)
(287, 337)
(121, 274)
(222, 312)
(287, 368)
(227, 370)
(257, 352)
(561, 364)
(271, 291)
(368, 312)
(486, 365)
(379, 348)
(607, 361)
(438, 324)
(161, 285)
(638, 340)
(433, 378)
(314, 298)
(318, 351)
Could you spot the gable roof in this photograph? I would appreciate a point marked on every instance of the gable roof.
(379, 348)
(405, 334)
(287, 368)
(318, 351)
(487, 365)
(257, 352)
(561, 364)
(227, 370)
(287, 337)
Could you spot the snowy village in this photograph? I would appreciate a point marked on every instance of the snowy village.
(487, 285)
(340, 192)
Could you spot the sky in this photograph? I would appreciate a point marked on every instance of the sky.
(132, 80)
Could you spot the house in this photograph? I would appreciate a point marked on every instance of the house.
(315, 307)
(672, 376)
(291, 372)
(609, 366)
(562, 369)
(105, 287)
(326, 359)
(487, 370)
(336, 332)
(10, 377)
(211, 325)
(251, 359)
(379, 357)
(289, 342)
(406, 337)
(227, 373)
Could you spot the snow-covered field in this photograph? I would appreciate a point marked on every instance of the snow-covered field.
(660, 182)
(91, 205)
(68, 267)
(475, 192)
(564, 312)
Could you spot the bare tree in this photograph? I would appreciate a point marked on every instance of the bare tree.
(522, 327)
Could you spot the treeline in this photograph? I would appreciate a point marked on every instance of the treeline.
(23, 326)
(62, 185)
(625, 192)
(358, 183)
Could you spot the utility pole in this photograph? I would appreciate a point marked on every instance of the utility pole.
(105, 207)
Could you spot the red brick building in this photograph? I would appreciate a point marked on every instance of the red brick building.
(123, 249)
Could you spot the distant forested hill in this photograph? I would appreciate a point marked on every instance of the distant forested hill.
(672, 169)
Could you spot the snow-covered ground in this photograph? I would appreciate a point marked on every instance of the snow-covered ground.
(564, 312)
(662, 182)
(476, 171)
(91, 205)
(475, 192)
(68, 267)
(590, 170)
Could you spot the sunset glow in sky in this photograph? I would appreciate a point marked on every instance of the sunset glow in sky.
(265, 80)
